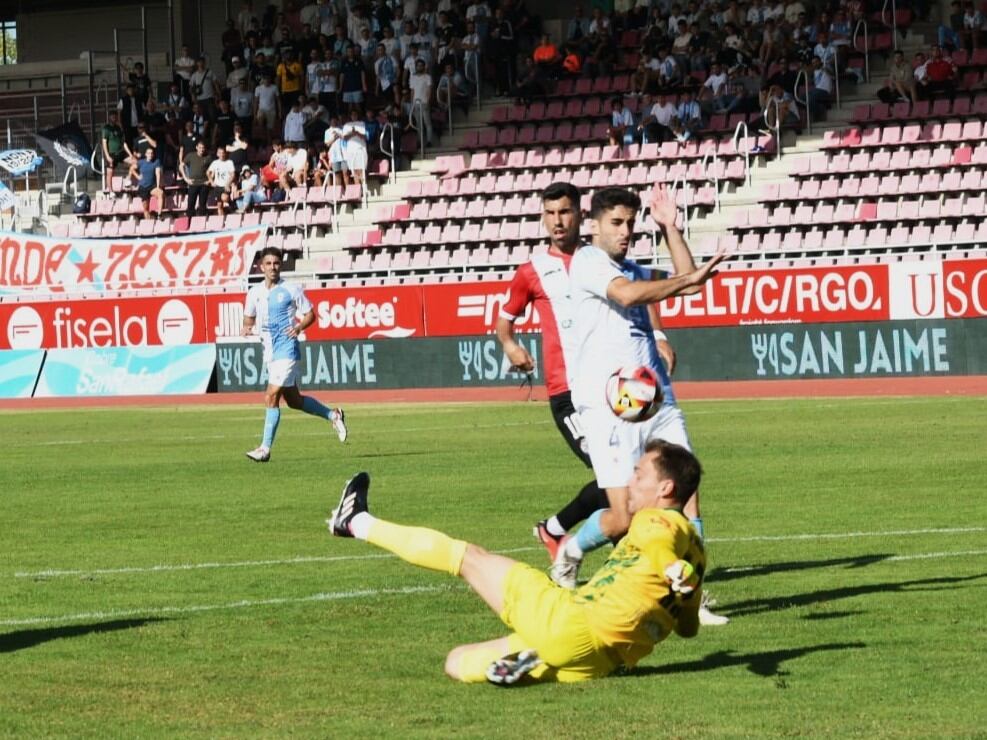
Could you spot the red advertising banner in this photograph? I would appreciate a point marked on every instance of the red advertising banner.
(920, 289)
(965, 287)
(44, 266)
(340, 313)
(462, 309)
(803, 295)
(122, 322)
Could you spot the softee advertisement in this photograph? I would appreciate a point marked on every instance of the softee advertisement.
(928, 289)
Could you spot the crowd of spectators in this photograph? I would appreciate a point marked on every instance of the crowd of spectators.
(309, 89)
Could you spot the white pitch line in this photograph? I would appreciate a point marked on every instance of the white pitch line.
(56, 573)
(244, 604)
(246, 433)
(936, 555)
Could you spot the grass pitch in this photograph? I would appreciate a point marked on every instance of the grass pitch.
(155, 583)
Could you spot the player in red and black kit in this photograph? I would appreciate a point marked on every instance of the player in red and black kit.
(544, 281)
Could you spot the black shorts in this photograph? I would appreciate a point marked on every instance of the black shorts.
(567, 420)
(118, 157)
(145, 193)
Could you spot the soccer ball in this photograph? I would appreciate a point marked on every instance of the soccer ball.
(634, 393)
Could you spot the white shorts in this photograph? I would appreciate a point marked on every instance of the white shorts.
(357, 160)
(615, 445)
(282, 373)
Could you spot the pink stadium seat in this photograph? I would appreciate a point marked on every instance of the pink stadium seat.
(450, 234)
(490, 232)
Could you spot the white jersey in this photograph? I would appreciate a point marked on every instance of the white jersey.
(275, 309)
(608, 336)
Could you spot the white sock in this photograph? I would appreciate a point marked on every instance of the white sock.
(572, 549)
(553, 527)
(360, 525)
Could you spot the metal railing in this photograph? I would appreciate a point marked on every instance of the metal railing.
(776, 127)
(803, 76)
(681, 183)
(866, 51)
(836, 78)
(894, 20)
(417, 122)
(473, 65)
(390, 153)
(712, 156)
(742, 134)
(447, 89)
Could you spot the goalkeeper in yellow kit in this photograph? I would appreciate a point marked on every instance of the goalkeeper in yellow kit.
(649, 587)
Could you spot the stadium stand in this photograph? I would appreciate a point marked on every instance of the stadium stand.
(788, 155)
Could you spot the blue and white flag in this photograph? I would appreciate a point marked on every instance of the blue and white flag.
(7, 198)
(20, 161)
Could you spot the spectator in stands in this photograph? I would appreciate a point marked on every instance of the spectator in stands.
(140, 81)
(237, 73)
(355, 134)
(232, 43)
(294, 124)
(825, 51)
(578, 28)
(572, 63)
(367, 47)
(186, 143)
(470, 44)
(420, 84)
(547, 58)
(237, 148)
(603, 56)
(194, 174)
(656, 126)
(688, 117)
(900, 84)
(244, 18)
(356, 21)
(184, 67)
(200, 123)
(267, 109)
(714, 88)
(973, 26)
(681, 45)
(771, 43)
(222, 130)
(641, 78)
(329, 97)
(735, 49)
(131, 112)
(779, 110)
(529, 85)
(154, 121)
(149, 182)
(352, 78)
(336, 144)
(142, 142)
(667, 72)
(202, 86)
(261, 68)
(221, 175)
(372, 126)
(622, 128)
(115, 148)
(950, 33)
(599, 24)
(316, 121)
(386, 74)
(295, 172)
(323, 167)
(176, 103)
(290, 78)
(453, 85)
(242, 104)
(940, 75)
(502, 51)
(821, 91)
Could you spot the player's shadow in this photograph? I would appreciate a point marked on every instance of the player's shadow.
(778, 603)
(22, 639)
(719, 575)
(765, 664)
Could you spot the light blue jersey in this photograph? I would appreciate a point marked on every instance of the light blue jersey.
(641, 326)
(275, 309)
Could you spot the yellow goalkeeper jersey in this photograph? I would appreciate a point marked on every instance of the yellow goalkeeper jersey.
(628, 602)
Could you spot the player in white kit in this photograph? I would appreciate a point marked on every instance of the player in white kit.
(273, 306)
(610, 297)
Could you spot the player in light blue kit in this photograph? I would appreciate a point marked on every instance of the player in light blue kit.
(272, 306)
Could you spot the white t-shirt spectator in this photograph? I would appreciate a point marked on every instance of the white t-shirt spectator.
(297, 160)
(356, 145)
(663, 114)
(621, 118)
(314, 77)
(267, 97)
(242, 102)
(223, 171)
(337, 145)
(421, 87)
(294, 126)
(716, 83)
